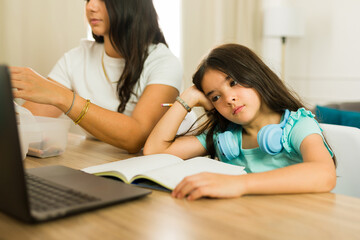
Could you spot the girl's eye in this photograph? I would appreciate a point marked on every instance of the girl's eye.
(233, 83)
(215, 98)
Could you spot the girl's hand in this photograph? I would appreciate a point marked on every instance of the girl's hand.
(209, 185)
(33, 87)
(193, 97)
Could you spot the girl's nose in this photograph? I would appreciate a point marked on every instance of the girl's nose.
(231, 99)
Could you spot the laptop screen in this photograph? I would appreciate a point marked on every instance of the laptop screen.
(12, 182)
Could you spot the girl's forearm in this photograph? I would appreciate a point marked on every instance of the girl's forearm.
(165, 130)
(298, 178)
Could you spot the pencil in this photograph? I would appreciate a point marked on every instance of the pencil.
(166, 104)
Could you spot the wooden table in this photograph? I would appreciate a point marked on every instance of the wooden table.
(159, 216)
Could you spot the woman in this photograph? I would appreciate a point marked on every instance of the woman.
(113, 87)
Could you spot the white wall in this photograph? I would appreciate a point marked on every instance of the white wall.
(209, 23)
(36, 33)
(169, 14)
(323, 65)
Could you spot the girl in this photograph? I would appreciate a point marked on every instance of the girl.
(242, 95)
(113, 87)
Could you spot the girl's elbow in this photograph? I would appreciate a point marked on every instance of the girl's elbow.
(154, 148)
(329, 182)
(148, 150)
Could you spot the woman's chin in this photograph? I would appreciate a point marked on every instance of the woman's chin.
(97, 32)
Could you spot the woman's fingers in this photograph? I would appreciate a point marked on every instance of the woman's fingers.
(14, 70)
(20, 78)
(31, 86)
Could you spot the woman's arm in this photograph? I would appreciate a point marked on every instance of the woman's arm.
(316, 174)
(161, 139)
(44, 110)
(127, 132)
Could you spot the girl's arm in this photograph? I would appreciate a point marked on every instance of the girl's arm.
(316, 174)
(161, 138)
(127, 132)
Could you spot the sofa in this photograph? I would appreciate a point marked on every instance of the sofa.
(341, 127)
(345, 143)
(348, 106)
(344, 113)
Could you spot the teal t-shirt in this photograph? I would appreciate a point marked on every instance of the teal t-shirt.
(299, 125)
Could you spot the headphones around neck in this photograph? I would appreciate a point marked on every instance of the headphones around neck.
(269, 140)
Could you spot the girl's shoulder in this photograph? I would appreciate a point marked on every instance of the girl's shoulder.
(300, 115)
(300, 124)
(301, 119)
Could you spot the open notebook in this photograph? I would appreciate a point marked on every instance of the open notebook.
(161, 171)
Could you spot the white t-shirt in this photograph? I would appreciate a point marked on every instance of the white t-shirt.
(81, 70)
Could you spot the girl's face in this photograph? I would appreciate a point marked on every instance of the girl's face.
(236, 103)
(97, 17)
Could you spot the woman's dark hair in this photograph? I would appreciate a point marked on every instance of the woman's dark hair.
(246, 68)
(133, 27)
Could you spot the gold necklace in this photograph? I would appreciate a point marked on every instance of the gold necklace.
(103, 67)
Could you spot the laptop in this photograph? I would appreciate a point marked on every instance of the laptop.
(68, 191)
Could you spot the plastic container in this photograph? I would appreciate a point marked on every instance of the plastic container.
(24, 144)
(53, 137)
(29, 132)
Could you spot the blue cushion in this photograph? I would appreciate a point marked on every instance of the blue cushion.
(338, 117)
(351, 119)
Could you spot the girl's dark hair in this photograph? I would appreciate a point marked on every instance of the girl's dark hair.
(246, 68)
(133, 27)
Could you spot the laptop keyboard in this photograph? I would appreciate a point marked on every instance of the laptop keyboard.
(45, 195)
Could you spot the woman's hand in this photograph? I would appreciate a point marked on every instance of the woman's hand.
(31, 86)
(209, 185)
(194, 97)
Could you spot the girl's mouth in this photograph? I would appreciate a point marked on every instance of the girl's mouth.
(238, 109)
